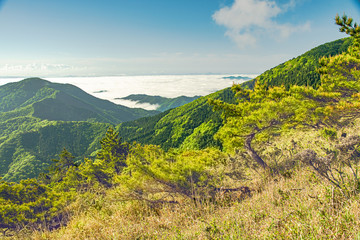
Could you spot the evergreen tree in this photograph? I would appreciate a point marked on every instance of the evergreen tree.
(113, 150)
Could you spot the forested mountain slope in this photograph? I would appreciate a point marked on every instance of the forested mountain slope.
(193, 125)
(53, 101)
(25, 154)
(302, 69)
(38, 119)
(190, 126)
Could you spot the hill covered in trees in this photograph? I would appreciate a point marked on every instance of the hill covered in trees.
(302, 69)
(27, 153)
(193, 125)
(38, 119)
(53, 101)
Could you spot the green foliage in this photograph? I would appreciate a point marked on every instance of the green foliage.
(60, 167)
(301, 71)
(267, 111)
(348, 26)
(28, 150)
(263, 113)
(171, 128)
(65, 162)
(203, 136)
(27, 202)
(329, 133)
(191, 174)
(113, 150)
(88, 175)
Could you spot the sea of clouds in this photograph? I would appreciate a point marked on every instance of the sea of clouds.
(113, 87)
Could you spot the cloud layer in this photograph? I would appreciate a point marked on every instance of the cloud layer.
(248, 20)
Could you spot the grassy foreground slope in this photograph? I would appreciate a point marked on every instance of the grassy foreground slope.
(296, 204)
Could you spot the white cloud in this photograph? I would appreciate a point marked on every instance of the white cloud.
(247, 20)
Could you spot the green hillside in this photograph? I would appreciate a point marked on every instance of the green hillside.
(27, 143)
(193, 125)
(25, 154)
(65, 102)
(302, 69)
(163, 102)
(39, 118)
(190, 126)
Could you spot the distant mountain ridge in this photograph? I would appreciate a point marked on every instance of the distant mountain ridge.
(237, 78)
(163, 102)
(64, 102)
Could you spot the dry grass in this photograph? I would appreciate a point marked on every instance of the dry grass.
(296, 205)
(300, 207)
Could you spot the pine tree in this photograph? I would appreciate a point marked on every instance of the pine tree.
(113, 150)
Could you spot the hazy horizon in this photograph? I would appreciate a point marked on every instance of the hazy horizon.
(139, 37)
(170, 86)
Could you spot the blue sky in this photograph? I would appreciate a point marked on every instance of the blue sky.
(140, 37)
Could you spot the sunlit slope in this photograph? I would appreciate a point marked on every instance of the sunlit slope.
(193, 125)
(302, 69)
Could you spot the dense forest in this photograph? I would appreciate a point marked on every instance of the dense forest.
(39, 118)
(302, 69)
(274, 159)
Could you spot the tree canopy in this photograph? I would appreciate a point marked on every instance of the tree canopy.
(266, 111)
